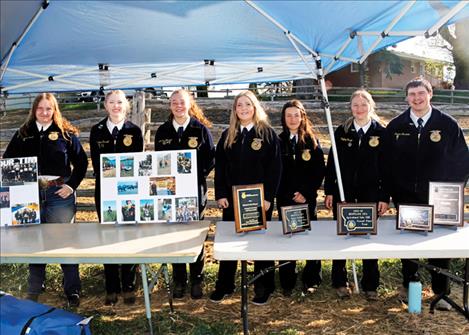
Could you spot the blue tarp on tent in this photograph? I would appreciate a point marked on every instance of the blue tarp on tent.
(168, 43)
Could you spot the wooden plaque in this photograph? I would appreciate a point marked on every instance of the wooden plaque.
(356, 218)
(448, 203)
(415, 217)
(295, 219)
(249, 207)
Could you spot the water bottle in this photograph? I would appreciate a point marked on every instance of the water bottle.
(415, 297)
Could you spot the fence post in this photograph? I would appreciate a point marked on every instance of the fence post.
(139, 113)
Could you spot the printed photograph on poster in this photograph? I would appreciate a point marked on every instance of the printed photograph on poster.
(25, 214)
(165, 208)
(4, 197)
(109, 211)
(184, 162)
(128, 210)
(127, 166)
(18, 171)
(127, 187)
(109, 167)
(162, 186)
(145, 187)
(144, 166)
(164, 164)
(187, 209)
(147, 210)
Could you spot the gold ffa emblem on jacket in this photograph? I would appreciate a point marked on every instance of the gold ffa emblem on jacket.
(435, 136)
(256, 144)
(374, 141)
(53, 136)
(193, 143)
(306, 155)
(127, 140)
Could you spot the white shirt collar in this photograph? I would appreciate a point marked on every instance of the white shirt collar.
(184, 125)
(248, 127)
(425, 118)
(365, 127)
(43, 127)
(110, 125)
(295, 136)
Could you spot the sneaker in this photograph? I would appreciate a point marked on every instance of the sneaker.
(443, 305)
(179, 291)
(33, 297)
(309, 289)
(196, 291)
(261, 299)
(402, 295)
(111, 299)
(343, 292)
(73, 300)
(218, 295)
(129, 297)
(287, 292)
(371, 295)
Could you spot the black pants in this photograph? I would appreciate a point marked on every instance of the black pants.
(440, 282)
(227, 269)
(311, 275)
(370, 279)
(196, 271)
(123, 282)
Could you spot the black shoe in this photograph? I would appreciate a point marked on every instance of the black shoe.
(33, 297)
(261, 299)
(219, 295)
(196, 291)
(287, 292)
(129, 298)
(179, 291)
(111, 299)
(73, 300)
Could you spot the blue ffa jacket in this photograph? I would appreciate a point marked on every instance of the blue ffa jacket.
(196, 136)
(440, 154)
(302, 171)
(360, 166)
(129, 139)
(55, 154)
(248, 163)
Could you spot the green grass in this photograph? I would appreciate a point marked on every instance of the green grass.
(107, 321)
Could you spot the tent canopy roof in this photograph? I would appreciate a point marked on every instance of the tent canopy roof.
(172, 43)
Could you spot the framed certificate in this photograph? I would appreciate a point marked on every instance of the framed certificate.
(295, 219)
(249, 207)
(448, 203)
(356, 219)
(415, 217)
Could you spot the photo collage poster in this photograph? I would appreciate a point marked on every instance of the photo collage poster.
(19, 191)
(149, 186)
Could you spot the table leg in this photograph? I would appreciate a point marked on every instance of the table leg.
(244, 296)
(146, 295)
(466, 289)
(164, 268)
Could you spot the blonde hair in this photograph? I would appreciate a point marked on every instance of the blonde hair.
(125, 102)
(305, 127)
(64, 125)
(194, 110)
(260, 119)
(369, 99)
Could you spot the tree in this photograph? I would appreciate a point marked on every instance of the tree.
(459, 42)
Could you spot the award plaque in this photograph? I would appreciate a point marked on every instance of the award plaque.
(249, 207)
(415, 217)
(295, 219)
(448, 203)
(356, 218)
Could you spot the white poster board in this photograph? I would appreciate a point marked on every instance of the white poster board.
(19, 192)
(149, 187)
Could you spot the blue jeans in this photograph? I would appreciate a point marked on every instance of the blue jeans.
(55, 209)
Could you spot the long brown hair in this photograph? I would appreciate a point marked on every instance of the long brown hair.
(260, 118)
(306, 126)
(64, 125)
(372, 113)
(194, 110)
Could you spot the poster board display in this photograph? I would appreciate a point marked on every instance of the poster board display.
(19, 191)
(149, 187)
